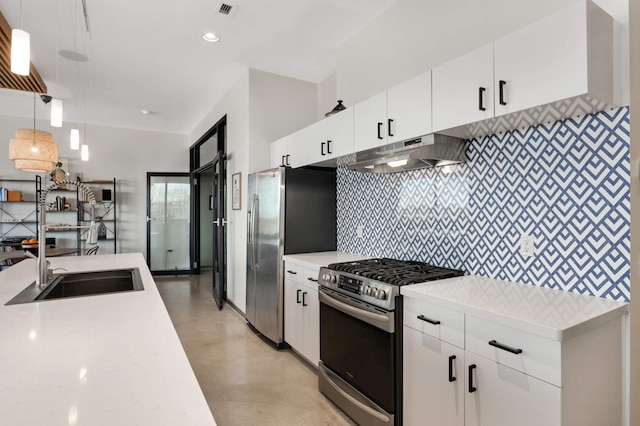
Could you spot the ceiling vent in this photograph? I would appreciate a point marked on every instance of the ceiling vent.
(226, 8)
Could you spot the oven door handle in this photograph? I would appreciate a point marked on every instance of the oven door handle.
(354, 401)
(352, 309)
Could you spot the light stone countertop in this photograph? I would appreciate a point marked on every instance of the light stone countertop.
(112, 359)
(322, 258)
(553, 314)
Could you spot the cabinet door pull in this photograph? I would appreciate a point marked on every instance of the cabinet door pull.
(472, 388)
(282, 162)
(389, 121)
(322, 148)
(429, 320)
(304, 299)
(481, 91)
(292, 272)
(288, 160)
(451, 377)
(312, 279)
(298, 295)
(379, 130)
(329, 147)
(502, 84)
(516, 351)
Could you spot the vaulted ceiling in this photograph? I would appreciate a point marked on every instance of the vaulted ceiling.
(149, 54)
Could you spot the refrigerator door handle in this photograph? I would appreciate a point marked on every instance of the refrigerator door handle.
(254, 208)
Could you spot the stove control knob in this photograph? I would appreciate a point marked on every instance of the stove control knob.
(374, 292)
(381, 295)
(366, 290)
(332, 278)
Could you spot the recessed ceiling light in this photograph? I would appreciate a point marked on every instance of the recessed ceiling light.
(145, 112)
(210, 37)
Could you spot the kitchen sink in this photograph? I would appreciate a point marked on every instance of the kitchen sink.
(80, 284)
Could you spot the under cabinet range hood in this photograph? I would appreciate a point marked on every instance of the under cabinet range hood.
(432, 150)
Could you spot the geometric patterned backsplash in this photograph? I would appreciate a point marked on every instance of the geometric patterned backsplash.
(566, 184)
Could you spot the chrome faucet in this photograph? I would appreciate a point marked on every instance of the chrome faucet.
(42, 268)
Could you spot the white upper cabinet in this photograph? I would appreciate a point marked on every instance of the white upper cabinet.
(279, 152)
(548, 60)
(400, 113)
(409, 109)
(369, 119)
(330, 138)
(565, 57)
(463, 89)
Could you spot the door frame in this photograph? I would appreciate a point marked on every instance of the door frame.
(187, 271)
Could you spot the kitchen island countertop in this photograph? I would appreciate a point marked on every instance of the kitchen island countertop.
(550, 313)
(112, 359)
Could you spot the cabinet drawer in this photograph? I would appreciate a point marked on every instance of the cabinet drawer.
(293, 272)
(310, 277)
(434, 320)
(537, 357)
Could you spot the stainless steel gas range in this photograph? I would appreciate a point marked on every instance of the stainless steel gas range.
(360, 366)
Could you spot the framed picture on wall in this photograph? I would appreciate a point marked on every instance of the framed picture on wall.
(236, 191)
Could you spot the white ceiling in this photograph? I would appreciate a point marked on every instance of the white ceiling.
(149, 54)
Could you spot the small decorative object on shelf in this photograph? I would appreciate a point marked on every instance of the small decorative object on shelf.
(58, 174)
(336, 109)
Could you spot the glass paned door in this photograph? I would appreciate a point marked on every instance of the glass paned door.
(168, 222)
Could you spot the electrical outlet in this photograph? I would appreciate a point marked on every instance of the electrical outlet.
(359, 231)
(527, 248)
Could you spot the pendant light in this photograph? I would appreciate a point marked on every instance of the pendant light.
(74, 138)
(56, 104)
(20, 49)
(33, 150)
(84, 152)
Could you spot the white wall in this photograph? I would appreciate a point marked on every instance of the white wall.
(260, 108)
(327, 96)
(634, 376)
(235, 105)
(414, 36)
(278, 106)
(125, 154)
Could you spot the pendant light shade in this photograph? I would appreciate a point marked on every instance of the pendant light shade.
(33, 150)
(75, 139)
(85, 152)
(20, 52)
(56, 113)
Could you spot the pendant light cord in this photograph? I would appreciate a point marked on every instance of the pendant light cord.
(20, 14)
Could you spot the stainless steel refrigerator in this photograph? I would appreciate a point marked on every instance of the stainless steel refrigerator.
(289, 211)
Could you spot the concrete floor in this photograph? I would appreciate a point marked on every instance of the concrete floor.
(244, 380)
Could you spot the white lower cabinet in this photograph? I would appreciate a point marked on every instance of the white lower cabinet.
(302, 311)
(505, 375)
(433, 381)
(496, 395)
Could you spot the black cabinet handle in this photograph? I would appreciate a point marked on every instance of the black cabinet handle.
(282, 162)
(472, 388)
(304, 299)
(312, 279)
(288, 160)
(516, 351)
(292, 272)
(451, 359)
(329, 147)
(379, 130)
(322, 148)
(481, 91)
(502, 84)
(298, 296)
(389, 121)
(429, 320)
